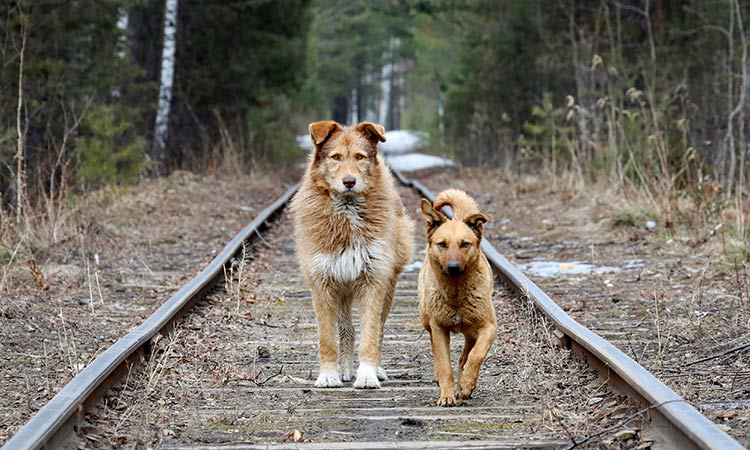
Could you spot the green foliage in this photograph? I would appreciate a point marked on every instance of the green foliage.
(245, 63)
(271, 136)
(110, 153)
(350, 41)
(739, 254)
(75, 56)
(547, 137)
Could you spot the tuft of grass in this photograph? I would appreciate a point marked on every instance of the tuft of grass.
(739, 254)
(633, 218)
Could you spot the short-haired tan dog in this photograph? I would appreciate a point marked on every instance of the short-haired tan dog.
(455, 291)
(353, 238)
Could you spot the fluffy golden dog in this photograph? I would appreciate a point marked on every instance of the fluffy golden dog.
(353, 238)
(455, 291)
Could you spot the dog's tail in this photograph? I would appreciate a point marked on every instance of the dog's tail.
(463, 206)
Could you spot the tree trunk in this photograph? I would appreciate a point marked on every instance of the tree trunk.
(341, 109)
(20, 152)
(161, 127)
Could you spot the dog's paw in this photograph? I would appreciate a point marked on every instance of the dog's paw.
(367, 377)
(446, 400)
(382, 375)
(328, 379)
(347, 374)
(465, 391)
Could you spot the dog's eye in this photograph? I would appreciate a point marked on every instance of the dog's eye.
(336, 157)
(442, 245)
(359, 156)
(465, 244)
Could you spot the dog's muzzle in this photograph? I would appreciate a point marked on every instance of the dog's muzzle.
(453, 269)
(349, 182)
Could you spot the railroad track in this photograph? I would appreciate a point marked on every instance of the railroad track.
(243, 378)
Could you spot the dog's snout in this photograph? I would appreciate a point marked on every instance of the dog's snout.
(453, 268)
(349, 181)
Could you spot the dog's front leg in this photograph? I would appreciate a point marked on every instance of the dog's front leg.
(326, 311)
(468, 381)
(441, 354)
(370, 310)
(470, 340)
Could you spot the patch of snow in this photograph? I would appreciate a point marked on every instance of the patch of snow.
(547, 269)
(413, 267)
(416, 161)
(398, 142)
(304, 142)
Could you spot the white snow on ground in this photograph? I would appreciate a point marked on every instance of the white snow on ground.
(396, 142)
(403, 141)
(416, 161)
(413, 266)
(554, 268)
(304, 142)
(399, 150)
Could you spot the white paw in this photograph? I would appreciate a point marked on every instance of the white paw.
(382, 376)
(328, 379)
(347, 374)
(367, 377)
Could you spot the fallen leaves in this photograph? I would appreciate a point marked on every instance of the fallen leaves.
(296, 436)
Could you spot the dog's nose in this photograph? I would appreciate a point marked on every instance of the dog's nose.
(453, 269)
(349, 181)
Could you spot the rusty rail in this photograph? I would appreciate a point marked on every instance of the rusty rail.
(54, 423)
(673, 422)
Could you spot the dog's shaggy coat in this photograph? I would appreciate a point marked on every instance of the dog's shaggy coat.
(353, 238)
(455, 291)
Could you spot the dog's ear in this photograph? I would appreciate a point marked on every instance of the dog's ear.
(433, 217)
(321, 131)
(476, 223)
(373, 132)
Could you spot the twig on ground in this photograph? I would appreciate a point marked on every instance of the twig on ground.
(564, 427)
(620, 423)
(268, 378)
(718, 355)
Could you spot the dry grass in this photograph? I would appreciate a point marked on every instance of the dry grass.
(575, 402)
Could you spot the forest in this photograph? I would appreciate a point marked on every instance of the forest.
(650, 95)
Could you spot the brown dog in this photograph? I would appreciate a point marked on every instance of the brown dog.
(455, 291)
(353, 238)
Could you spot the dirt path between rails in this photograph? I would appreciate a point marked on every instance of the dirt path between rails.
(122, 253)
(241, 367)
(668, 298)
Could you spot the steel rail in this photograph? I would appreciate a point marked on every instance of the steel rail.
(53, 424)
(673, 421)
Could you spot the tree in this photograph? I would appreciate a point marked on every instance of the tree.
(161, 127)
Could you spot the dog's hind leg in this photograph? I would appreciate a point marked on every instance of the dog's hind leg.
(326, 314)
(346, 340)
(474, 361)
(387, 304)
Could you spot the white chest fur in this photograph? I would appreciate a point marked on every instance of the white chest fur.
(347, 265)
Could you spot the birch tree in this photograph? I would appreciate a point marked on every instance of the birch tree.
(161, 127)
